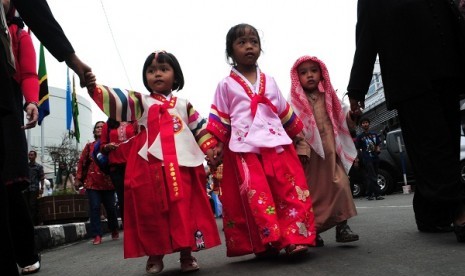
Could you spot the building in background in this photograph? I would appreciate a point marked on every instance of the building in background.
(54, 128)
(381, 119)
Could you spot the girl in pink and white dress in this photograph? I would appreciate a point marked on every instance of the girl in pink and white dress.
(266, 201)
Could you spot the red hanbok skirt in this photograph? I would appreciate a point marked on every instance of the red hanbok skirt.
(153, 223)
(266, 201)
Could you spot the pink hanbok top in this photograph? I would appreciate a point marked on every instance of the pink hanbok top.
(268, 124)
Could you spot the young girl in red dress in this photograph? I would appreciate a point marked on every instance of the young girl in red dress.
(166, 207)
(266, 201)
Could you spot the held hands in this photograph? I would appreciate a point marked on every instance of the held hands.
(79, 67)
(356, 109)
(215, 156)
(91, 82)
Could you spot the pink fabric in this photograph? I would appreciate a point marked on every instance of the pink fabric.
(298, 99)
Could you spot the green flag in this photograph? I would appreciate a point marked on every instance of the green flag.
(44, 105)
(75, 114)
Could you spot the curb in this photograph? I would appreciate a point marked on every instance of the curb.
(50, 236)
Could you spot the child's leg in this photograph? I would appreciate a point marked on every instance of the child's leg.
(188, 262)
(154, 264)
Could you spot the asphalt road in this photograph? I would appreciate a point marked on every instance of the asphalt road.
(389, 245)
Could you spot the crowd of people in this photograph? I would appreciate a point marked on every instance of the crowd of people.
(280, 167)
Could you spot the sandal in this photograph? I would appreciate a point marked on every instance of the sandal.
(296, 249)
(270, 252)
(154, 264)
(189, 264)
(31, 269)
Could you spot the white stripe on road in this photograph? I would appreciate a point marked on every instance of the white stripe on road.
(392, 206)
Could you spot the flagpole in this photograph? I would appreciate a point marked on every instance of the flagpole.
(42, 148)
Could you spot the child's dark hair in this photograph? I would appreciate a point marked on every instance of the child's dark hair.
(233, 34)
(165, 57)
(364, 119)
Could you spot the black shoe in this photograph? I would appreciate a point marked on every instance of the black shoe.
(345, 234)
(459, 231)
(429, 228)
(370, 198)
(379, 198)
(319, 242)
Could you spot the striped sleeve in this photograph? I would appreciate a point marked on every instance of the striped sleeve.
(119, 104)
(197, 124)
(291, 123)
(219, 124)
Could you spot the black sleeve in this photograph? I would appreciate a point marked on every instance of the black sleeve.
(366, 49)
(38, 16)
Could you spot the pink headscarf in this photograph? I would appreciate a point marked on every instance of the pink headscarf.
(298, 99)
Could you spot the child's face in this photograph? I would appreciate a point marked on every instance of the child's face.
(246, 48)
(309, 75)
(160, 77)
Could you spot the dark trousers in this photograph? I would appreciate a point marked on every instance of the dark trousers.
(370, 173)
(431, 130)
(32, 204)
(22, 228)
(96, 198)
(117, 178)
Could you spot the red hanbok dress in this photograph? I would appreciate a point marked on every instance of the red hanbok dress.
(166, 204)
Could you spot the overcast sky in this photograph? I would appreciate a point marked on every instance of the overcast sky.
(195, 31)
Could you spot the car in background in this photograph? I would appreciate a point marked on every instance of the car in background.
(394, 171)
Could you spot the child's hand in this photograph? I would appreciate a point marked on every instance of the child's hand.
(218, 152)
(90, 82)
(211, 161)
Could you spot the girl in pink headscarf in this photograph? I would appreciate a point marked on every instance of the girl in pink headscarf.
(326, 149)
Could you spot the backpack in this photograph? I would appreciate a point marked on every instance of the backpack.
(100, 158)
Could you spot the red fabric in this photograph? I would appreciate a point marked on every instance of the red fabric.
(89, 173)
(154, 224)
(25, 62)
(271, 210)
(119, 155)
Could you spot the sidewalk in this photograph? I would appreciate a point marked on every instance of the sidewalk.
(50, 236)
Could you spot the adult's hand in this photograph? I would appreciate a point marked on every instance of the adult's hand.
(356, 108)
(79, 67)
(32, 115)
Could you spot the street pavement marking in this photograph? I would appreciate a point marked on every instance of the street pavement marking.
(389, 206)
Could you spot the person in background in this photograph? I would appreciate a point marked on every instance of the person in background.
(325, 147)
(64, 178)
(99, 190)
(261, 172)
(48, 188)
(116, 142)
(368, 144)
(40, 19)
(36, 187)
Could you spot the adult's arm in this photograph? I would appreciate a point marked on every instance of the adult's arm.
(38, 16)
(366, 50)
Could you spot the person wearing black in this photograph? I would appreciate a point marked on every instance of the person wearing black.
(38, 16)
(421, 49)
(367, 143)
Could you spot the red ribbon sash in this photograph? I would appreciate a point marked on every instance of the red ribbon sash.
(159, 115)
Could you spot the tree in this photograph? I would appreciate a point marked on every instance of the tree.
(66, 155)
